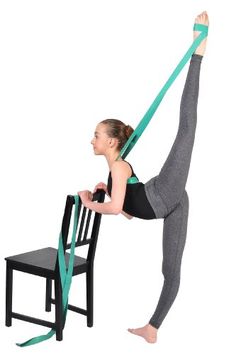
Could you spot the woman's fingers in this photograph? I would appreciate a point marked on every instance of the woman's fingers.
(100, 185)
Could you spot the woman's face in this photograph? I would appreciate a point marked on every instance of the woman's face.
(101, 141)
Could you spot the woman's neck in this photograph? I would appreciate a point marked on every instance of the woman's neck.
(111, 158)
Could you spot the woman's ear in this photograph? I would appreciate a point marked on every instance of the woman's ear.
(113, 142)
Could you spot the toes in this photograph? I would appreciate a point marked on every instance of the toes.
(202, 18)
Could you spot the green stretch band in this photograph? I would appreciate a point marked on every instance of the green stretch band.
(65, 276)
(132, 180)
(152, 109)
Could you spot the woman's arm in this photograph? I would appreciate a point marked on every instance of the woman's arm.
(120, 173)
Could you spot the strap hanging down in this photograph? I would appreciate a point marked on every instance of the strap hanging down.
(152, 109)
(65, 276)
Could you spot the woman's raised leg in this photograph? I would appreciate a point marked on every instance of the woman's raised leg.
(168, 187)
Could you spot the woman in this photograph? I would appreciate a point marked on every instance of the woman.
(164, 196)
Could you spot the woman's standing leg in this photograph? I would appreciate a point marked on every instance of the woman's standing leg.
(174, 237)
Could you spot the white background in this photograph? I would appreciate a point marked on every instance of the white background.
(66, 65)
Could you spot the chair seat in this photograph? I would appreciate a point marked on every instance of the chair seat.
(42, 262)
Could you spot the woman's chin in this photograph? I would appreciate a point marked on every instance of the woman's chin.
(96, 152)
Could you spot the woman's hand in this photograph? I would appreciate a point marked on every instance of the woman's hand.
(102, 186)
(85, 196)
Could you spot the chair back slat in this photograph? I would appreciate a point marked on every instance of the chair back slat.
(88, 227)
(81, 225)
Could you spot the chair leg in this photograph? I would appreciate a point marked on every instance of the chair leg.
(48, 304)
(89, 291)
(58, 310)
(9, 280)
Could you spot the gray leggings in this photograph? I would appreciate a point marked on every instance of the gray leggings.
(167, 196)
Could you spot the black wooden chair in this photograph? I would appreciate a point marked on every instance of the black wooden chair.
(44, 263)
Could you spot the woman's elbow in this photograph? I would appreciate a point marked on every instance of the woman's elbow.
(116, 210)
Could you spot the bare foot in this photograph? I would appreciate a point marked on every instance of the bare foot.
(203, 20)
(148, 332)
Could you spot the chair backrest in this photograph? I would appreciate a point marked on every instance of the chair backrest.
(88, 225)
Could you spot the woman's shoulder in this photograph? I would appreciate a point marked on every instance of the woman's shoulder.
(121, 165)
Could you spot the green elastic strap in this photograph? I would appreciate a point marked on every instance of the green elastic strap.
(152, 109)
(65, 276)
(132, 180)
